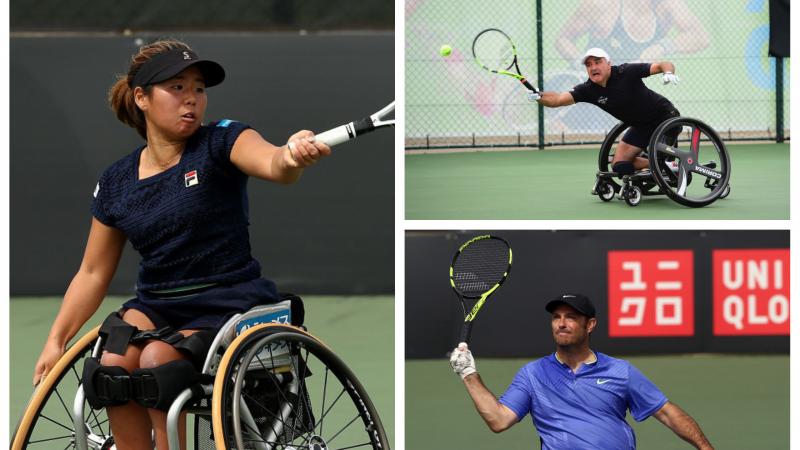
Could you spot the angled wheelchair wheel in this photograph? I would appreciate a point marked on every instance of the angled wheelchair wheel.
(278, 387)
(48, 419)
(607, 153)
(696, 171)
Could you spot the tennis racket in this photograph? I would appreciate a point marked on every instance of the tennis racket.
(479, 267)
(495, 51)
(352, 130)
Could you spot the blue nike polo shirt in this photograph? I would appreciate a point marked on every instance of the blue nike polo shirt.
(584, 410)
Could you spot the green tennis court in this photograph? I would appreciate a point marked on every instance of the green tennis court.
(556, 184)
(741, 402)
(345, 324)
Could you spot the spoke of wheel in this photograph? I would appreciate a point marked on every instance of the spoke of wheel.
(61, 400)
(324, 392)
(56, 422)
(682, 178)
(39, 441)
(367, 444)
(343, 428)
(302, 383)
(325, 413)
(695, 143)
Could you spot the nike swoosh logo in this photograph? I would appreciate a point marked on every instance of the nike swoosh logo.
(602, 381)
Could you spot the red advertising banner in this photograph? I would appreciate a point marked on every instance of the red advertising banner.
(751, 292)
(651, 293)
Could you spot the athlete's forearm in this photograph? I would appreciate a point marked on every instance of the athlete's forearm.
(550, 99)
(666, 66)
(83, 297)
(491, 411)
(685, 427)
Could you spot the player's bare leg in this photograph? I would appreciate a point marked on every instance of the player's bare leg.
(628, 152)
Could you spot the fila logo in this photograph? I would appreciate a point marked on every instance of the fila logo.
(602, 100)
(186, 55)
(190, 178)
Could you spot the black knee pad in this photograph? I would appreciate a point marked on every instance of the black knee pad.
(105, 385)
(158, 387)
(624, 168)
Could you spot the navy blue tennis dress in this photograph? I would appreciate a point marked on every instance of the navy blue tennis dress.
(190, 226)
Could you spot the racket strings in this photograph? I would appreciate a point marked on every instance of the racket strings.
(494, 50)
(480, 266)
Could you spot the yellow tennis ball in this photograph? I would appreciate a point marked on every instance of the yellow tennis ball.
(445, 50)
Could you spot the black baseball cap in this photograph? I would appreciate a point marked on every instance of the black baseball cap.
(581, 303)
(166, 65)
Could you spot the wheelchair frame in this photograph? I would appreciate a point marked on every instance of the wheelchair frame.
(232, 360)
(658, 182)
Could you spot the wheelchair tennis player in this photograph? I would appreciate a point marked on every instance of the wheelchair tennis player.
(181, 200)
(619, 91)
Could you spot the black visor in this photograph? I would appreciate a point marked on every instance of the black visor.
(166, 65)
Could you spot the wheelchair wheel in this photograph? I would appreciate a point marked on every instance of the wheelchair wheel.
(725, 192)
(278, 387)
(47, 422)
(632, 195)
(607, 153)
(695, 172)
(605, 190)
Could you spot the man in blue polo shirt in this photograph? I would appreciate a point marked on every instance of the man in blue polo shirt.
(578, 398)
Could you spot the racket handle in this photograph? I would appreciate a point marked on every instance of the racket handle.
(466, 331)
(344, 133)
(335, 136)
(529, 85)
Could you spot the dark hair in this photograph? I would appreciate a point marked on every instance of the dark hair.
(120, 96)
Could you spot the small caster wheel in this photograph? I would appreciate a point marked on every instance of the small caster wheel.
(632, 195)
(605, 191)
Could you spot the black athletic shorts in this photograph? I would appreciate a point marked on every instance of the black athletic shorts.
(639, 135)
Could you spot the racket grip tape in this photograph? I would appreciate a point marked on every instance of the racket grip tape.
(529, 85)
(336, 135)
(346, 132)
(466, 332)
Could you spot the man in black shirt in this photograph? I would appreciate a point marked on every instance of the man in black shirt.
(619, 91)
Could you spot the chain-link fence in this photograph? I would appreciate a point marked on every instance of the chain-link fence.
(204, 15)
(719, 49)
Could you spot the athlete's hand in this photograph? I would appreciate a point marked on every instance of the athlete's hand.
(304, 150)
(462, 362)
(670, 77)
(534, 96)
(50, 355)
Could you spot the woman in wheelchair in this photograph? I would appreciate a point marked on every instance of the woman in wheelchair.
(181, 200)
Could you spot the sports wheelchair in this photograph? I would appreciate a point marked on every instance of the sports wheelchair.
(268, 386)
(672, 169)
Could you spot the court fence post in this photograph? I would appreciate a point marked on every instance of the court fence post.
(540, 68)
(779, 99)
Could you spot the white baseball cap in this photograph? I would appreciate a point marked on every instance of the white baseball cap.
(596, 52)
